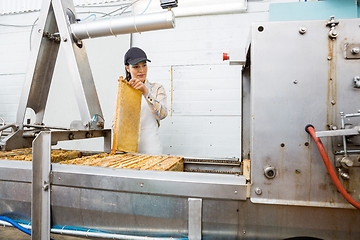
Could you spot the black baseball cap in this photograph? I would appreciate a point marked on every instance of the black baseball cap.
(135, 55)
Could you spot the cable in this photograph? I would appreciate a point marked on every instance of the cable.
(146, 7)
(127, 7)
(89, 12)
(89, 17)
(124, 7)
(101, 5)
(15, 224)
(32, 29)
(118, 9)
(14, 25)
(310, 129)
(96, 117)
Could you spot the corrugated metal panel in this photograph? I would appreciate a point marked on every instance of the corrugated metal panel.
(18, 6)
(93, 2)
(23, 6)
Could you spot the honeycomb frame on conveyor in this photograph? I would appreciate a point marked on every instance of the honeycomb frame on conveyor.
(129, 161)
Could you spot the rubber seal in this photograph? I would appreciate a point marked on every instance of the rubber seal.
(307, 126)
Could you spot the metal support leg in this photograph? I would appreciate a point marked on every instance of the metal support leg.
(40, 202)
(107, 141)
(195, 217)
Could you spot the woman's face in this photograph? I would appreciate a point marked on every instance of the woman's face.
(138, 71)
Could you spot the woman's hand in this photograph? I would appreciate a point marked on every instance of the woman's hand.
(139, 85)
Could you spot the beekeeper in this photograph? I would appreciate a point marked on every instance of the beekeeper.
(153, 103)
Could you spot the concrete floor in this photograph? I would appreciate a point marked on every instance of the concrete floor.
(10, 233)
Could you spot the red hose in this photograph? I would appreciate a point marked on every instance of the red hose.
(330, 169)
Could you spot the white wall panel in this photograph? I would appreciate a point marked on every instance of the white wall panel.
(205, 136)
(10, 90)
(15, 46)
(16, 6)
(206, 90)
(206, 98)
(200, 89)
(188, 8)
(199, 40)
(14, 54)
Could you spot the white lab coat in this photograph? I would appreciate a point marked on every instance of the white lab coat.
(149, 139)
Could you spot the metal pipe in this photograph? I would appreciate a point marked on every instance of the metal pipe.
(123, 25)
(348, 151)
(104, 235)
(352, 115)
(3, 121)
(88, 233)
(343, 127)
(13, 126)
(43, 126)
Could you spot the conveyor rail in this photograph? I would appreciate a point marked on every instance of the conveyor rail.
(213, 165)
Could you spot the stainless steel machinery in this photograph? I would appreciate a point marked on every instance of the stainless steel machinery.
(296, 73)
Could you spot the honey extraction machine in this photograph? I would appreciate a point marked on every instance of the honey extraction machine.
(297, 77)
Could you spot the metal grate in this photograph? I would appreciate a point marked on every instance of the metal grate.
(213, 165)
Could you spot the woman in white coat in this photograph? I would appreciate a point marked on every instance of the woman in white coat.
(153, 104)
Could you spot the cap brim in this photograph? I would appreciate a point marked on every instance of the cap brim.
(136, 61)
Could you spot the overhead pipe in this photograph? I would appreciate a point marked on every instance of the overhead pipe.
(310, 129)
(123, 25)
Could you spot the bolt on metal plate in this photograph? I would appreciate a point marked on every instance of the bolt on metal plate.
(356, 81)
(352, 51)
(302, 30)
